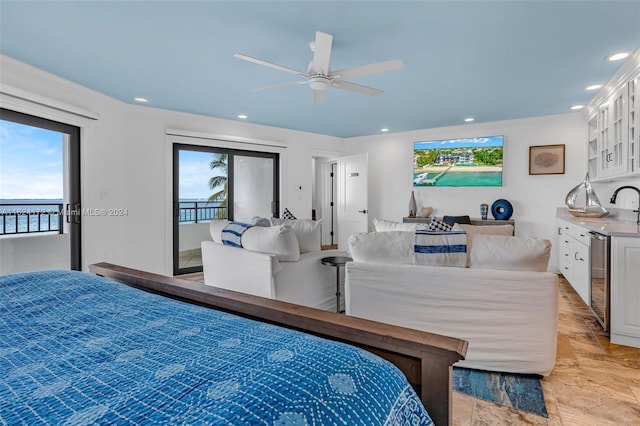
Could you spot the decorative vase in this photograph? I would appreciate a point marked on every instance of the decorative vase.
(484, 209)
(592, 206)
(413, 206)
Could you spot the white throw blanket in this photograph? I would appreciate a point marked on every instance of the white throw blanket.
(438, 248)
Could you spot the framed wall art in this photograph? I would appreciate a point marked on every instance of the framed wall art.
(546, 160)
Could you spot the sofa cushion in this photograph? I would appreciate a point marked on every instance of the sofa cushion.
(394, 247)
(278, 240)
(307, 232)
(510, 253)
(472, 230)
(382, 225)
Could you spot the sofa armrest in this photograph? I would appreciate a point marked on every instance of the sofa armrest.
(308, 282)
(239, 269)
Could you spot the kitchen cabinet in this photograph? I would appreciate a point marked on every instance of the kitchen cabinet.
(613, 131)
(574, 263)
(625, 291)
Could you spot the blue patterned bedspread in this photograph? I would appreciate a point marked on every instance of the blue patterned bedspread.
(80, 349)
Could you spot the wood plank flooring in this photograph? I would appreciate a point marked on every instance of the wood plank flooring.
(594, 382)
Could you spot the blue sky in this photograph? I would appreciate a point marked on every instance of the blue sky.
(195, 174)
(30, 162)
(486, 141)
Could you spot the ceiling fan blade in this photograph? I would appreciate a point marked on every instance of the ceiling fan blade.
(352, 87)
(378, 67)
(269, 64)
(277, 86)
(321, 53)
(318, 96)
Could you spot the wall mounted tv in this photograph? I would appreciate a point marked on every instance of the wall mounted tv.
(458, 162)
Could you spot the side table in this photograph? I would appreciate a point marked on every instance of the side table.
(337, 262)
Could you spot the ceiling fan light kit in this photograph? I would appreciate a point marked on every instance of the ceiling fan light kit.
(319, 76)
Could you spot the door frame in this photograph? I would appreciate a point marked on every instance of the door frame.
(175, 202)
(73, 170)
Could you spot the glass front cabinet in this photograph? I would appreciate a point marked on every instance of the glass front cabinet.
(614, 134)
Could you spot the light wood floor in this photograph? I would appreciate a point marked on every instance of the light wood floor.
(594, 382)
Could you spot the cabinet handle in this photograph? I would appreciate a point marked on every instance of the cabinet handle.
(609, 158)
(576, 257)
(559, 230)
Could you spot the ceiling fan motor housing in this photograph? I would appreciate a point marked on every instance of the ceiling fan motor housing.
(319, 82)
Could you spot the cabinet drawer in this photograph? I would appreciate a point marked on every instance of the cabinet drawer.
(580, 234)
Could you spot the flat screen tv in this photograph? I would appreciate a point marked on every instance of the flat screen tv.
(458, 162)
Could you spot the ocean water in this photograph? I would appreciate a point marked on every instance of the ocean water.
(466, 179)
(29, 215)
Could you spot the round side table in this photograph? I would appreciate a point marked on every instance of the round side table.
(337, 262)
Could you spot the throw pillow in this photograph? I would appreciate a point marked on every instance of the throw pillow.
(308, 232)
(440, 248)
(473, 230)
(395, 247)
(452, 220)
(438, 225)
(286, 214)
(279, 240)
(381, 225)
(510, 253)
(260, 221)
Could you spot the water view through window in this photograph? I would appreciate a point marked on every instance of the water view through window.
(31, 179)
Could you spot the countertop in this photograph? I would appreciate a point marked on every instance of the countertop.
(606, 225)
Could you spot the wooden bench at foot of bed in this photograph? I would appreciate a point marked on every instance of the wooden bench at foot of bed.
(426, 359)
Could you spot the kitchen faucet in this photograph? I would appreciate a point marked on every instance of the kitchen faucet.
(615, 194)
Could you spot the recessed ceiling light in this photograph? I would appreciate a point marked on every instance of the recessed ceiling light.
(618, 56)
(384, 129)
(469, 119)
(242, 116)
(141, 100)
(580, 106)
(593, 87)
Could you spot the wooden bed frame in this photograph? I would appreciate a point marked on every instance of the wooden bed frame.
(426, 359)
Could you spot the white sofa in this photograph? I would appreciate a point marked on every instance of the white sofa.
(505, 304)
(272, 265)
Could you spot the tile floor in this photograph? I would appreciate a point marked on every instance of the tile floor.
(594, 382)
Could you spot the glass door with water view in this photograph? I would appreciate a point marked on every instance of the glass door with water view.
(39, 175)
(215, 183)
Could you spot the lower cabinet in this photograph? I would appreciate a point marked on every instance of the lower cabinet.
(625, 291)
(574, 257)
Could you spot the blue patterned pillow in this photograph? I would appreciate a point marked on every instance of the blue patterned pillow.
(438, 225)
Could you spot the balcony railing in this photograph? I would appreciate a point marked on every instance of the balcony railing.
(195, 212)
(31, 218)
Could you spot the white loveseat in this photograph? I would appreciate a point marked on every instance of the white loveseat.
(505, 303)
(279, 262)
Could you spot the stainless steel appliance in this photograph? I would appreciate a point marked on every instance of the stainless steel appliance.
(600, 254)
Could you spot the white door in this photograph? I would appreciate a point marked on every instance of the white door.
(352, 198)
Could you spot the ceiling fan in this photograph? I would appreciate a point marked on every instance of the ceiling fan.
(319, 76)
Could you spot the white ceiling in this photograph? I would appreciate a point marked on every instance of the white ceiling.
(491, 60)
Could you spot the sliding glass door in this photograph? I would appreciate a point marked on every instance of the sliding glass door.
(39, 192)
(217, 183)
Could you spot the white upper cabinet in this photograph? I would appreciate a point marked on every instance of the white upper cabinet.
(613, 126)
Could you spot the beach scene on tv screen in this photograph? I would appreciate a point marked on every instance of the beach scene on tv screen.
(458, 162)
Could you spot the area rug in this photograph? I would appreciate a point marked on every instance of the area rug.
(517, 391)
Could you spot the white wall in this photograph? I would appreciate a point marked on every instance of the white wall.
(534, 198)
(124, 165)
